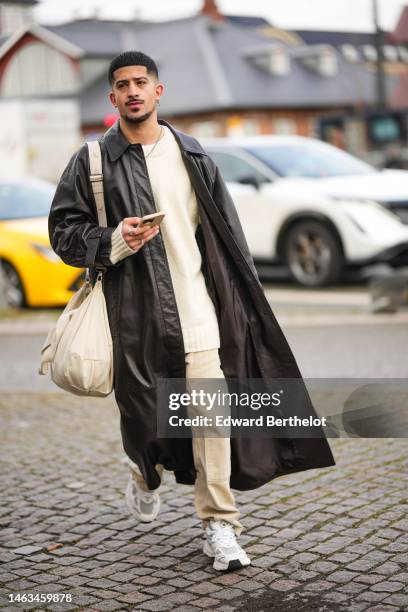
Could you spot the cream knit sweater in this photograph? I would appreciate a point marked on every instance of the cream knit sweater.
(174, 195)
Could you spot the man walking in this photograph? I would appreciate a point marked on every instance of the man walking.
(184, 301)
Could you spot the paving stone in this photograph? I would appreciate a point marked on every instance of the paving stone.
(341, 576)
(387, 569)
(336, 535)
(351, 587)
(397, 599)
(371, 596)
(305, 557)
(368, 578)
(135, 597)
(108, 605)
(388, 587)
(27, 550)
(179, 583)
(207, 603)
(335, 597)
(204, 588)
(323, 567)
(162, 589)
(381, 608)
(228, 593)
(318, 585)
(267, 577)
(284, 585)
(180, 597)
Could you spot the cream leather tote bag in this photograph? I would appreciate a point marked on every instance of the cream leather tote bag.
(78, 350)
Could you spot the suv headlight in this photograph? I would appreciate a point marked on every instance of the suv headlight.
(367, 202)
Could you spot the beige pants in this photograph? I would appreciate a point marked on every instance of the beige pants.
(213, 498)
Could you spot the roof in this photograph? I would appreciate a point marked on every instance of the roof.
(336, 38)
(247, 21)
(43, 34)
(192, 81)
(99, 37)
(300, 88)
(212, 77)
(400, 34)
(26, 2)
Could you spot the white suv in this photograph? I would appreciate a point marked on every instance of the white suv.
(313, 207)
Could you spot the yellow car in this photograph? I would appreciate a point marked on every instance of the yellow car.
(32, 274)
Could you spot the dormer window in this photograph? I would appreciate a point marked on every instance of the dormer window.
(350, 53)
(321, 59)
(403, 53)
(273, 59)
(390, 53)
(370, 53)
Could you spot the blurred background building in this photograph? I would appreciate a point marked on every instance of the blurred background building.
(224, 74)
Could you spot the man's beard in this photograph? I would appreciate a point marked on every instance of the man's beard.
(140, 119)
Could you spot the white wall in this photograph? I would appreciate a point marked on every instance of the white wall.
(37, 137)
(13, 17)
(37, 69)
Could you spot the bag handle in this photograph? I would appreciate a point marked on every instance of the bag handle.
(96, 179)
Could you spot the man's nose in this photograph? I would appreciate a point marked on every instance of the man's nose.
(133, 89)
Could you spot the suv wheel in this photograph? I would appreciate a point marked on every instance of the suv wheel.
(313, 254)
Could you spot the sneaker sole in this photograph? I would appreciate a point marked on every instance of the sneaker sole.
(234, 564)
(140, 517)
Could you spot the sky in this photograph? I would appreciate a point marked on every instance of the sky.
(352, 15)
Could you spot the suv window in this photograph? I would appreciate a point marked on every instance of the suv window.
(234, 169)
(25, 200)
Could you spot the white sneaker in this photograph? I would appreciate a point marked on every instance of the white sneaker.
(143, 505)
(222, 545)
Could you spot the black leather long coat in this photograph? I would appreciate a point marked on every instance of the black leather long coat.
(143, 316)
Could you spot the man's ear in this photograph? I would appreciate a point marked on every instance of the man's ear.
(112, 99)
(159, 90)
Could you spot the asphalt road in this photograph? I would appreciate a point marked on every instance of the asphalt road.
(373, 350)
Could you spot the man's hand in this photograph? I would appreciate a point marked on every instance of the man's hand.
(137, 237)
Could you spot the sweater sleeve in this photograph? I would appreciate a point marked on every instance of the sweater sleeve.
(120, 248)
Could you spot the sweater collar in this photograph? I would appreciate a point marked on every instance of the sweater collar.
(117, 144)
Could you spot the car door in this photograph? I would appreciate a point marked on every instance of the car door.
(251, 188)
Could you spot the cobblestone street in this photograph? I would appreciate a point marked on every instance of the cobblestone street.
(325, 540)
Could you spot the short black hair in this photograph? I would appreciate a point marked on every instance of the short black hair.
(132, 58)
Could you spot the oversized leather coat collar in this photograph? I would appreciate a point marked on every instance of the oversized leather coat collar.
(117, 144)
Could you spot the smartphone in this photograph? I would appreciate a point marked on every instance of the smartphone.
(152, 220)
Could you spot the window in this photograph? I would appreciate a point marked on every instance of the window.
(403, 53)
(204, 129)
(313, 160)
(234, 169)
(390, 53)
(284, 126)
(350, 53)
(370, 53)
(22, 201)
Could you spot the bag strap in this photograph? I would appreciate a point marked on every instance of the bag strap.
(96, 179)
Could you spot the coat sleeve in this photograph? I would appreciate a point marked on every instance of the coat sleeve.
(224, 201)
(73, 228)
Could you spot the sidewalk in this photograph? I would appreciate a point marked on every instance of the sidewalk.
(323, 540)
(291, 306)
